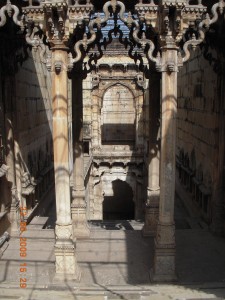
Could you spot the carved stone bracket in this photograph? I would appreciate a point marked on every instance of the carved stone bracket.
(13, 12)
(97, 22)
(140, 80)
(28, 184)
(54, 21)
(57, 20)
(171, 26)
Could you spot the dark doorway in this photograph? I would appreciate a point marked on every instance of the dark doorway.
(120, 206)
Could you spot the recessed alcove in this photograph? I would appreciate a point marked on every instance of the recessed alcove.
(120, 205)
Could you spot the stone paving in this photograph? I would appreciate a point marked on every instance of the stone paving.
(115, 264)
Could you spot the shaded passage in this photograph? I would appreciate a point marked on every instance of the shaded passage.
(119, 206)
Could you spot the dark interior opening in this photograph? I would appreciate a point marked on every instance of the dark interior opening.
(86, 147)
(120, 206)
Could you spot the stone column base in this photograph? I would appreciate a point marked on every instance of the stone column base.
(80, 225)
(151, 220)
(15, 218)
(79, 215)
(65, 256)
(164, 257)
(151, 213)
(164, 265)
(66, 262)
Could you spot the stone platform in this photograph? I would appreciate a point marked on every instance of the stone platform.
(115, 264)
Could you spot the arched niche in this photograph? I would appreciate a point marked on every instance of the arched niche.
(119, 205)
(118, 116)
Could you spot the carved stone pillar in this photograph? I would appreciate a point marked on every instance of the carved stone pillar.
(95, 122)
(140, 120)
(153, 190)
(10, 157)
(164, 258)
(79, 205)
(66, 262)
(14, 210)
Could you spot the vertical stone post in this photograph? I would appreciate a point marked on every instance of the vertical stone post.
(79, 205)
(164, 258)
(14, 210)
(140, 120)
(10, 156)
(153, 190)
(95, 122)
(66, 263)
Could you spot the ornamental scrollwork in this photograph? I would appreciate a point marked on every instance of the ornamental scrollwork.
(176, 24)
(13, 12)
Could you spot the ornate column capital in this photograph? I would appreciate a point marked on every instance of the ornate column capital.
(185, 22)
(51, 25)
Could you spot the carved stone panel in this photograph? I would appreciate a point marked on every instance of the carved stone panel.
(118, 115)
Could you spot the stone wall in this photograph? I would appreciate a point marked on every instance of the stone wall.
(200, 148)
(115, 109)
(26, 105)
(34, 154)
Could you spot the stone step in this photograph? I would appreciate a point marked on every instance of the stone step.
(71, 292)
(116, 225)
(37, 223)
(38, 233)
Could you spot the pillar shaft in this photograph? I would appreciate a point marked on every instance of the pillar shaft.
(66, 263)
(164, 259)
(10, 157)
(10, 160)
(95, 122)
(79, 205)
(60, 139)
(153, 190)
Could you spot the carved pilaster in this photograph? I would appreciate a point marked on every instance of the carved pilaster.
(151, 212)
(95, 122)
(79, 205)
(14, 211)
